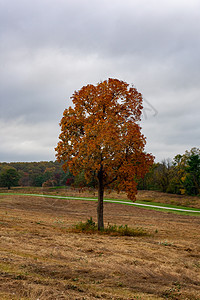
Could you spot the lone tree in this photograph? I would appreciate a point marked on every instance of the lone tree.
(9, 177)
(101, 136)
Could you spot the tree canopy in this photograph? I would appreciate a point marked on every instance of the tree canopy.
(101, 135)
(9, 177)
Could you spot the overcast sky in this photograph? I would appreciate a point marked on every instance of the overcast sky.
(50, 48)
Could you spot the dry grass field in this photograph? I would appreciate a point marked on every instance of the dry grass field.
(40, 258)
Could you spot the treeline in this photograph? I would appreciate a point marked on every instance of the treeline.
(179, 176)
(37, 173)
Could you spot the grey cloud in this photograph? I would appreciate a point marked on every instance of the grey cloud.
(23, 141)
(50, 48)
(108, 27)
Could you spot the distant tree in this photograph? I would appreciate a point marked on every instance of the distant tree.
(24, 178)
(192, 178)
(101, 136)
(177, 160)
(149, 181)
(9, 177)
(48, 183)
(188, 167)
(79, 180)
(162, 175)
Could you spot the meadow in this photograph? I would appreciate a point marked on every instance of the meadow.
(41, 257)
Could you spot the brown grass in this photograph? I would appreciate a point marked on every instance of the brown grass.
(41, 259)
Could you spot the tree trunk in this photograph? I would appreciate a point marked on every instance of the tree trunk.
(100, 200)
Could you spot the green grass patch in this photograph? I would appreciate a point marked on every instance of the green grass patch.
(123, 230)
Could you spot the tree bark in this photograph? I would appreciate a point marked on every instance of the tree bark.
(100, 199)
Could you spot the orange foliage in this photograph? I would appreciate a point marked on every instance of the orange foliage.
(102, 132)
